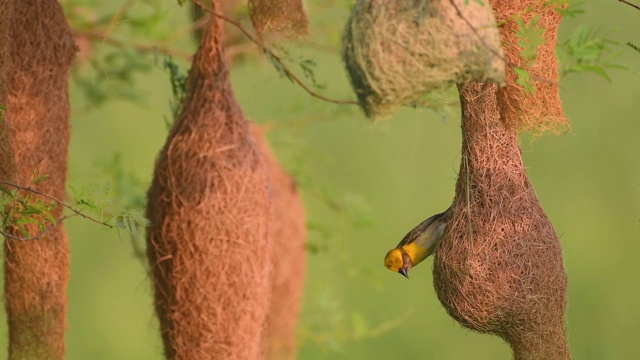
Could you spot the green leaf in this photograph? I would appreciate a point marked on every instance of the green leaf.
(40, 179)
(524, 80)
(587, 51)
(634, 47)
(8, 192)
(276, 64)
(530, 38)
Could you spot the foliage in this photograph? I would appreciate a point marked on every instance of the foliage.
(588, 51)
(25, 208)
(110, 57)
(530, 38)
(178, 80)
(111, 77)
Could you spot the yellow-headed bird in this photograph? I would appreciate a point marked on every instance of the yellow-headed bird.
(418, 244)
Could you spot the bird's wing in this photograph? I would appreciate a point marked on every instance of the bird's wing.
(423, 227)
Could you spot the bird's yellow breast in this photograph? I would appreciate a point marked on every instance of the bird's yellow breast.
(416, 252)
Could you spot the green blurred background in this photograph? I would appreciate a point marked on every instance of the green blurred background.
(385, 178)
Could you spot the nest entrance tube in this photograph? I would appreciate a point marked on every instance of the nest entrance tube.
(499, 268)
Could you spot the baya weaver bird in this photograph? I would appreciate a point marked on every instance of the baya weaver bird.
(418, 244)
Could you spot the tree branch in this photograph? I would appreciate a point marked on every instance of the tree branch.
(275, 57)
(637, 7)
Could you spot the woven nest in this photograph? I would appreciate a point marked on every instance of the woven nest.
(499, 268)
(395, 52)
(36, 51)
(208, 243)
(285, 18)
(540, 110)
(288, 234)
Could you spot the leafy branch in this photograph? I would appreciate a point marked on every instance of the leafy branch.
(21, 211)
(50, 197)
(586, 51)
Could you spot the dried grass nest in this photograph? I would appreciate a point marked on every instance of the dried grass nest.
(395, 52)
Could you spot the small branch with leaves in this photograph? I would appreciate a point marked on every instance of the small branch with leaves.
(22, 210)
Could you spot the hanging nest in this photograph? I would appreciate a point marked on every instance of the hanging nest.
(499, 268)
(541, 109)
(285, 18)
(396, 52)
(288, 234)
(6, 9)
(36, 51)
(208, 244)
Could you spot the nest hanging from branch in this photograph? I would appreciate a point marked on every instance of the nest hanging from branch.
(396, 52)
(499, 267)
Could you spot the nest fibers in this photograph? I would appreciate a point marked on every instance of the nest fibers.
(37, 51)
(499, 267)
(288, 255)
(282, 17)
(395, 52)
(208, 243)
(540, 110)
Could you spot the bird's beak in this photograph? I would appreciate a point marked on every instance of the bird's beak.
(404, 272)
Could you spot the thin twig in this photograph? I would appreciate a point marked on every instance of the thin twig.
(275, 57)
(50, 197)
(637, 7)
(40, 234)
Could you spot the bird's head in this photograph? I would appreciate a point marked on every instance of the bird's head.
(397, 260)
